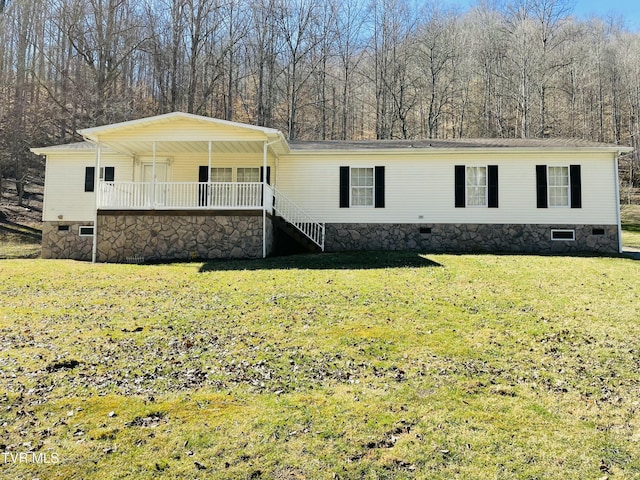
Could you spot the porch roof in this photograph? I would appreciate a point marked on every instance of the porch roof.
(180, 132)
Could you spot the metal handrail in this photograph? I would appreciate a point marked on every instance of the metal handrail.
(301, 220)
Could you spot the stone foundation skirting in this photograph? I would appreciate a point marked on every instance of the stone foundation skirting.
(63, 240)
(170, 235)
(469, 238)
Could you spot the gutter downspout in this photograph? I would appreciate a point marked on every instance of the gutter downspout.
(96, 183)
(265, 148)
(618, 215)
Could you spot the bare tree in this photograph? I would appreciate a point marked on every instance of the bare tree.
(105, 35)
(263, 47)
(438, 49)
(393, 24)
(350, 21)
(296, 22)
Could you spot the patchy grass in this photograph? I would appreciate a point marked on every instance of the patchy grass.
(368, 365)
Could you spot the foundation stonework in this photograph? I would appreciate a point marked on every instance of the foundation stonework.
(62, 240)
(468, 238)
(158, 236)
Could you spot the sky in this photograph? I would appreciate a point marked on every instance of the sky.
(627, 10)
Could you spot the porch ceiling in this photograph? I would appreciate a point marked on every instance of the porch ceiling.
(132, 147)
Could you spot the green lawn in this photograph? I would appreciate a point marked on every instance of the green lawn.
(368, 365)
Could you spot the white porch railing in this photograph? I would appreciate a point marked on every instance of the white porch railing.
(297, 217)
(183, 195)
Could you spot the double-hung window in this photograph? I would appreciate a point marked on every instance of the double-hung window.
(106, 174)
(476, 186)
(251, 174)
(362, 185)
(558, 186)
(221, 174)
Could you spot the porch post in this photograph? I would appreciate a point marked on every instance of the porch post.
(209, 171)
(264, 199)
(153, 175)
(96, 192)
(208, 187)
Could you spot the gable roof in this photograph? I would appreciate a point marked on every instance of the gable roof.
(95, 132)
(179, 131)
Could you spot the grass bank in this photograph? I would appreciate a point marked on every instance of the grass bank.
(630, 218)
(378, 365)
(19, 241)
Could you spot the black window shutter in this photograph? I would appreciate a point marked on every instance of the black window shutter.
(268, 175)
(460, 186)
(89, 179)
(203, 173)
(492, 177)
(541, 186)
(109, 174)
(379, 187)
(203, 190)
(576, 186)
(344, 187)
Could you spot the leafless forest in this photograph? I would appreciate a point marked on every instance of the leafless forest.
(316, 69)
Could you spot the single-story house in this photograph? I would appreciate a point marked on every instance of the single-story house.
(182, 186)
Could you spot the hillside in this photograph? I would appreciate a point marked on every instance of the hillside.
(20, 226)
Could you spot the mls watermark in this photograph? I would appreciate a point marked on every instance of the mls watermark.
(30, 457)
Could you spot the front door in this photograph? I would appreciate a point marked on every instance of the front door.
(162, 170)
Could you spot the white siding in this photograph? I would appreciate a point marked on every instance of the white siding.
(420, 189)
(64, 193)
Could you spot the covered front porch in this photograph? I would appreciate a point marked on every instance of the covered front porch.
(190, 165)
(182, 161)
(213, 180)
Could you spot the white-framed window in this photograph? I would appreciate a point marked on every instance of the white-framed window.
(85, 231)
(222, 174)
(476, 184)
(563, 235)
(558, 180)
(362, 187)
(250, 174)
